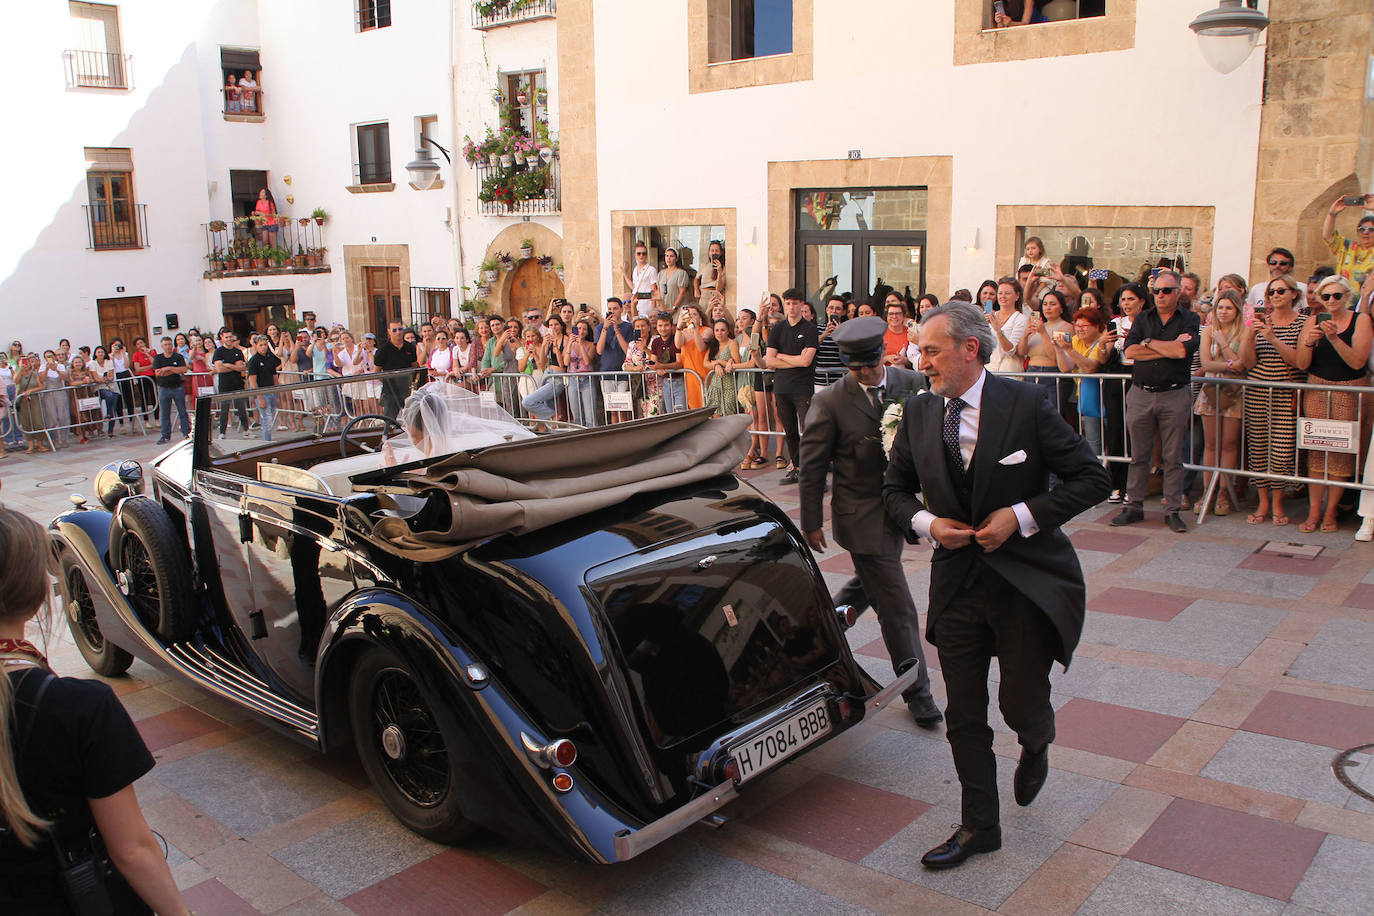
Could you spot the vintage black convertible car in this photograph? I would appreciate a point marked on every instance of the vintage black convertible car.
(589, 639)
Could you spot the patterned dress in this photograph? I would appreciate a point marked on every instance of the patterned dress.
(1271, 414)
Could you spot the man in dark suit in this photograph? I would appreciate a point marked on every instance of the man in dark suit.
(843, 432)
(1004, 579)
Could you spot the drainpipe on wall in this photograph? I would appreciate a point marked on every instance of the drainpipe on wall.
(455, 217)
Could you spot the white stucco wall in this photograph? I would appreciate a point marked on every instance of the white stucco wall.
(1150, 126)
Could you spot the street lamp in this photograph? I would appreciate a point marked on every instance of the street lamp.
(424, 171)
(1227, 34)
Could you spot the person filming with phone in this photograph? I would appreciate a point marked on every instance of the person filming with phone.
(1354, 257)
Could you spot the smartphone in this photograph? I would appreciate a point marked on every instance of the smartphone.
(1155, 272)
(1261, 312)
(1086, 300)
(582, 307)
(1041, 272)
(1323, 316)
(1354, 201)
(1097, 273)
(999, 9)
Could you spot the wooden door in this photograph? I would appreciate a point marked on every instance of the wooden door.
(531, 287)
(383, 286)
(125, 317)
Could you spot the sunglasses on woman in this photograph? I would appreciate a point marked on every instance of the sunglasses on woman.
(1328, 297)
(1280, 290)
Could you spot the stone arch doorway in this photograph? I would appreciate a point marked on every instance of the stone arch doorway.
(531, 287)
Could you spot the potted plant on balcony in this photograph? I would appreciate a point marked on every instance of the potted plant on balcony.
(545, 262)
(217, 225)
(299, 259)
(527, 248)
(258, 256)
(541, 97)
(319, 216)
(491, 269)
(504, 259)
(216, 259)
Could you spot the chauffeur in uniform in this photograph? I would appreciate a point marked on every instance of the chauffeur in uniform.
(843, 432)
(970, 470)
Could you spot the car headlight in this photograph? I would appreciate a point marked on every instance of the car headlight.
(117, 480)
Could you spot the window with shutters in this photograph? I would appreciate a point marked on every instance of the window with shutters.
(96, 59)
(372, 163)
(114, 219)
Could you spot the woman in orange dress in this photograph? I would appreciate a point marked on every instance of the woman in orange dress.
(693, 336)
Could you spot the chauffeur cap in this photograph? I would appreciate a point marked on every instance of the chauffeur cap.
(860, 341)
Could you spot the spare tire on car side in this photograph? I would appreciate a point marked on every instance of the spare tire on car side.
(154, 570)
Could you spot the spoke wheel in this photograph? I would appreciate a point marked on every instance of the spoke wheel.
(140, 581)
(407, 746)
(103, 656)
(154, 570)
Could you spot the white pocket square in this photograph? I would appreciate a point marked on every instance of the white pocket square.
(1016, 457)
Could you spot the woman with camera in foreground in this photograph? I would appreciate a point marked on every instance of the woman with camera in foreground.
(72, 837)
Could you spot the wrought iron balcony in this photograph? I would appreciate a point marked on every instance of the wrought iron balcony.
(491, 14)
(98, 69)
(519, 189)
(250, 247)
(116, 224)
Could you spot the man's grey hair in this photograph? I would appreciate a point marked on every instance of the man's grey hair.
(965, 320)
(1171, 272)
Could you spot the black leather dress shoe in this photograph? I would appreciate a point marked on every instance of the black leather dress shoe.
(925, 712)
(1176, 524)
(1030, 775)
(963, 844)
(1128, 516)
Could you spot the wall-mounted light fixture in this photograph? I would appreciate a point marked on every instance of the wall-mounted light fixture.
(1227, 34)
(973, 240)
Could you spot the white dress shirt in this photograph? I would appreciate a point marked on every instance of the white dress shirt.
(882, 386)
(968, 441)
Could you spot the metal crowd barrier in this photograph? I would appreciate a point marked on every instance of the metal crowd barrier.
(79, 409)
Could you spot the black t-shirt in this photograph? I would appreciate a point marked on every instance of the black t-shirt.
(1164, 373)
(390, 357)
(263, 367)
(792, 339)
(161, 362)
(80, 745)
(229, 381)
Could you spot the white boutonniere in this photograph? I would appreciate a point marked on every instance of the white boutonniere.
(892, 418)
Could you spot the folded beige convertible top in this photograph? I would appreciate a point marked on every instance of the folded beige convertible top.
(522, 486)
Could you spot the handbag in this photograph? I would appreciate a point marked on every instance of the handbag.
(1220, 397)
(745, 397)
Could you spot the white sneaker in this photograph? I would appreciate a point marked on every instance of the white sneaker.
(1366, 532)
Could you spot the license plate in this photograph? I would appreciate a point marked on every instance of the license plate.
(789, 736)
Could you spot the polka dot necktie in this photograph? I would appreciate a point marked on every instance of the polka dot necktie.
(951, 431)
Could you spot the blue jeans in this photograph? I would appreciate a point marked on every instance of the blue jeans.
(10, 420)
(1092, 431)
(268, 415)
(540, 402)
(166, 397)
(114, 407)
(582, 399)
(674, 393)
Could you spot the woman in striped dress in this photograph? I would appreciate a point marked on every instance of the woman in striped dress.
(1269, 353)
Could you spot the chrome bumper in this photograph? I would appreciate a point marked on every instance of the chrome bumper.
(630, 843)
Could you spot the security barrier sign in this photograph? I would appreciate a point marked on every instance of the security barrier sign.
(1328, 435)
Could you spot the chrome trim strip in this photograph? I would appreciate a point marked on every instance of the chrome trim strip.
(886, 695)
(234, 678)
(632, 843)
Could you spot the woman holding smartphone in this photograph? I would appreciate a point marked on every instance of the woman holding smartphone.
(1049, 329)
(1269, 350)
(711, 278)
(1219, 405)
(1008, 327)
(1334, 351)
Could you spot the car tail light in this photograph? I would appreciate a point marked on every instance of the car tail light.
(846, 709)
(562, 753)
(848, 615)
(563, 782)
(731, 770)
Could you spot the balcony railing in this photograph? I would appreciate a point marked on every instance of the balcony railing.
(519, 189)
(98, 69)
(366, 173)
(234, 247)
(242, 101)
(490, 14)
(428, 301)
(117, 224)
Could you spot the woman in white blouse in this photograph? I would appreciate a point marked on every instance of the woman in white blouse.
(1009, 325)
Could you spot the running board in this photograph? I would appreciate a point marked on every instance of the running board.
(229, 679)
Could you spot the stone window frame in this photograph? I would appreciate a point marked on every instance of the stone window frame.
(975, 44)
(623, 220)
(934, 173)
(1201, 220)
(704, 22)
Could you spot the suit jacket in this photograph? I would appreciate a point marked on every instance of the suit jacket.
(1014, 417)
(843, 433)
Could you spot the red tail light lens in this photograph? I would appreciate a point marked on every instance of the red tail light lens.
(562, 752)
(846, 710)
(731, 770)
(563, 782)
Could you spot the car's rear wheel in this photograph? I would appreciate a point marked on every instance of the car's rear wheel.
(406, 742)
(154, 570)
(104, 657)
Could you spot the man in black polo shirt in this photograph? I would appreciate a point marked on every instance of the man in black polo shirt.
(1162, 342)
(792, 346)
(262, 373)
(228, 365)
(169, 370)
(396, 353)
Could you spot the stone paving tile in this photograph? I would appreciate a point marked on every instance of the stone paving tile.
(356, 854)
(987, 879)
(1121, 820)
(1093, 560)
(1194, 561)
(1135, 602)
(1107, 541)
(1311, 719)
(254, 876)
(1339, 880)
(175, 726)
(1264, 561)
(1104, 728)
(454, 881)
(905, 764)
(1212, 631)
(1067, 801)
(1251, 853)
(837, 816)
(1278, 765)
(1061, 884)
(213, 897)
(1265, 584)
(708, 883)
(1339, 654)
(1139, 688)
(1362, 596)
(1138, 889)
